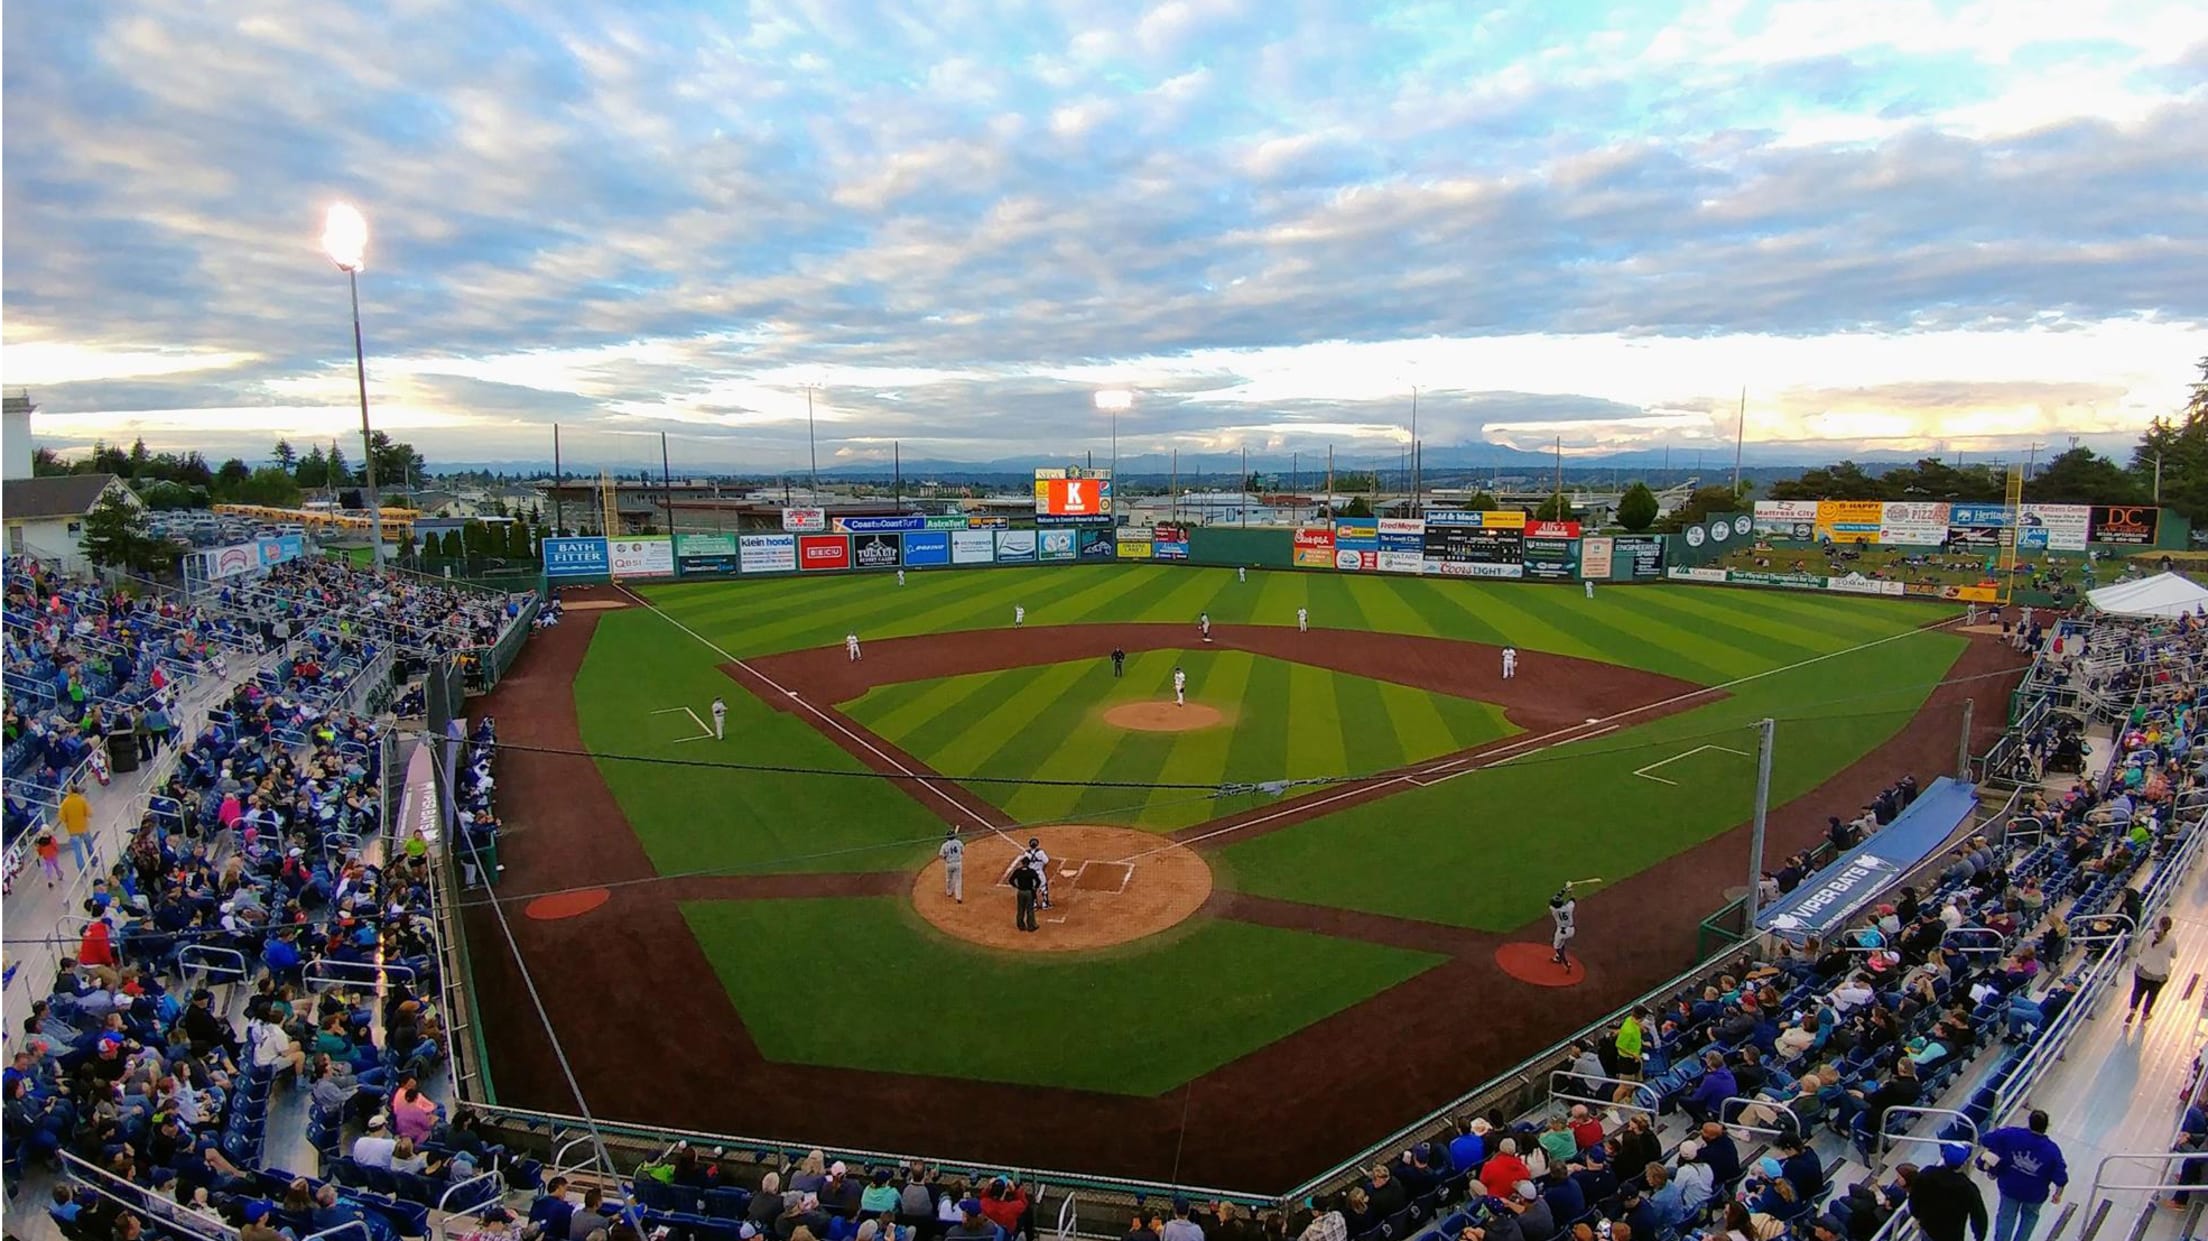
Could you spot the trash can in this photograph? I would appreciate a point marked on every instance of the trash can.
(122, 752)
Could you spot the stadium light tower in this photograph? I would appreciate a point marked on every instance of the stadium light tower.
(345, 240)
(1112, 401)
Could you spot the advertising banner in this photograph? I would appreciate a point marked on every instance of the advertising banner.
(1857, 584)
(1787, 519)
(1552, 529)
(1756, 577)
(1971, 594)
(1832, 897)
(1849, 521)
(882, 525)
(1996, 515)
(2054, 527)
(876, 551)
(1352, 561)
(805, 520)
(817, 552)
(1474, 551)
(927, 547)
(1400, 561)
(1097, 544)
(230, 561)
(1314, 547)
(1169, 542)
(1913, 524)
(1073, 497)
(1551, 560)
(1402, 546)
(652, 556)
(575, 558)
(2135, 524)
(1977, 538)
(1050, 545)
(1134, 549)
(1696, 575)
(1015, 545)
(1356, 534)
(973, 546)
(1400, 526)
(1641, 554)
(1594, 558)
(706, 553)
(766, 553)
(1499, 519)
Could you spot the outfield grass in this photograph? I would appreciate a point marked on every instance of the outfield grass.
(1137, 1020)
(1045, 723)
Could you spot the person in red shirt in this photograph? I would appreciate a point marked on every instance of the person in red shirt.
(1503, 1170)
(1586, 1129)
(96, 953)
(1004, 1204)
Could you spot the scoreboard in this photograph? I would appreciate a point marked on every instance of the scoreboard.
(1073, 493)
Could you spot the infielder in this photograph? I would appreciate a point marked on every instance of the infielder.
(1180, 688)
(720, 720)
(900, 577)
(953, 853)
(1203, 624)
(1019, 615)
(851, 646)
(1303, 620)
(1562, 909)
(1510, 662)
(1119, 662)
(1970, 614)
(1038, 861)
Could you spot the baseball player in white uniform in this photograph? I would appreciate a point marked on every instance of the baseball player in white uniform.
(720, 719)
(1241, 574)
(851, 646)
(953, 853)
(1303, 620)
(1203, 624)
(1038, 861)
(1562, 909)
(1510, 662)
(1590, 583)
(1019, 615)
(1180, 688)
(900, 577)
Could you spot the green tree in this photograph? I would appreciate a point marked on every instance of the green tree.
(449, 546)
(139, 457)
(284, 457)
(1934, 479)
(106, 459)
(397, 464)
(475, 540)
(313, 469)
(46, 463)
(517, 541)
(1481, 502)
(117, 535)
(1637, 508)
(1558, 507)
(2171, 461)
(1845, 481)
(2082, 476)
(408, 548)
(1704, 501)
(340, 474)
(230, 478)
(1358, 506)
(166, 494)
(269, 485)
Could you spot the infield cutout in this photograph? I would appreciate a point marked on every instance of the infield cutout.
(705, 730)
(1108, 885)
(1163, 717)
(1643, 772)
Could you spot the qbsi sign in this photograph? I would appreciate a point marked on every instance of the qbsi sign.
(820, 552)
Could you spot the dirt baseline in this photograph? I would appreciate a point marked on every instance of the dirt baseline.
(1164, 717)
(1108, 885)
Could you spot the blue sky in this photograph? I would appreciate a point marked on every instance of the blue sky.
(1897, 224)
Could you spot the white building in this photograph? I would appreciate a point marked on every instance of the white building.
(15, 436)
(45, 516)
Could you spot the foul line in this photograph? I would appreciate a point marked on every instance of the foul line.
(703, 732)
(1642, 772)
(823, 716)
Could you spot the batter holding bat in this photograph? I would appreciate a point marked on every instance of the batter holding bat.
(1564, 911)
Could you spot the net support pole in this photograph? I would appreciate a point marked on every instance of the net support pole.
(1766, 733)
(1962, 744)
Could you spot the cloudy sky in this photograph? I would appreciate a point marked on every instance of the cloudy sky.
(1896, 224)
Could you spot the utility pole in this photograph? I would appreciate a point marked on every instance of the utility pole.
(2031, 457)
(559, 479)
(2158, 478)
(1766, 733)
(812, 444)
(1174, 486)
(897, 474)
(1414, 452)
(1245, 487)
(1295, 472)
(1740, 439)
(1330, 482)
(1560, 468)
(666, 485)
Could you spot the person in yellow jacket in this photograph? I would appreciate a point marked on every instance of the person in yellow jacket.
(76, 820)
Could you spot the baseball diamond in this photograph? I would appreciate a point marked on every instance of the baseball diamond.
(1361, 840)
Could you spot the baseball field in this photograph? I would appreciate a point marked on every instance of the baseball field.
(1286, 914)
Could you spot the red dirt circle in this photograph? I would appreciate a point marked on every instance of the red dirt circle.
(572, 904)
(1536, 964)
(1164, 717)
(1108, 885)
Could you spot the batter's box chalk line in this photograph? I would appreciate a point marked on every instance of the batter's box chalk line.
(705, 733)
(1643, 772)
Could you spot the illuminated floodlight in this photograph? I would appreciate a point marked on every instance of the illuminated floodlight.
(1114, 400)
(345, 237)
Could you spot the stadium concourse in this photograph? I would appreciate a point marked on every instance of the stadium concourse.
(249, 1037)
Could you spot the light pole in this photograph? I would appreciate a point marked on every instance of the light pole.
(812, 445)
(1112, 401)
(345, 240)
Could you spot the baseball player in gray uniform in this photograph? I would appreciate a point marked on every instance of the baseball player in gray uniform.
(953, 853)
(1038, 861)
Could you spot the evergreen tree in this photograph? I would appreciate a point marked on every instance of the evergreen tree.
(1637, 508)
(284, 457)
(118, 535)
(313, 469)
(1558, 507)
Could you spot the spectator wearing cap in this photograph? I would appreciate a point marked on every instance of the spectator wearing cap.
(972, 1225)
(1328, 1223)
(1415, 1171)
(1943, 1200)
(839, 1194)
(1828, 1228)
(1694, 1182)
(1469, 1147)
(1535, 1221)
(373, 1149)
(804, 1216)
(1005, 1204)
(881, 1194)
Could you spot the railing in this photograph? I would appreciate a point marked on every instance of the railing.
(1887, 1137)
(2047, 1048)
(147, 1205)
(1559, 1079)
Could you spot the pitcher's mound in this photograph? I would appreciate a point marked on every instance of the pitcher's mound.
(1108, 885)
(1163, 717)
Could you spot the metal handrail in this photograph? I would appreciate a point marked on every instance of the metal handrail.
(345, 1227)
(493, 1175)
(1794, 1121)
(1640, 1089)
(326, 973)
(1069, 1220)
(209, 958)
(1887, 1137)
(142, 1201)
(2166, 1159)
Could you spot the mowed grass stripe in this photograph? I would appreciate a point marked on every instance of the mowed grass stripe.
(1073, 753)
(1798, 637)
(1334, 604)
(1279, 595)
(1368, 740)
(1714, 648)
(1198, 757)
(1868, 617)
(1516, 624)
(979, 736)
(1315, 744)
(1413, 719)
(1688, 655)
(1387, 611)
(936, 700)
(1444, 617)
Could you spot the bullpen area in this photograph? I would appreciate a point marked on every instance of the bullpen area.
(1298, 867)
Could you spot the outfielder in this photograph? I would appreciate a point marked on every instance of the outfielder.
(900, 577)
(1180, 688)
(953, 853)
(1038, 861)
(1562, 908)
(1241, 574)
(1590, 588)
(851, 646)
(1019, 615)
(1203, 624)
(1303, 620)
(720, 719)
(1510, 662)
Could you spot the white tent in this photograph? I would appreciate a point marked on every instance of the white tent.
(2164, 594)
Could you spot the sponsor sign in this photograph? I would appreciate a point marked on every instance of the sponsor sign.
(1833, 896)
(1314, 547)
(1053, 519)
(2054, 527)
(879, 525)
(876, 551)
(1642, 555)
(1072, 497)
(1552, 529)
(766, 553)
(645, 557)
(1755, 577)
(817, 552)
(927, 547)
(1696, 575)
(1972, 594)
(706, 553)
(1499, 519)
(1474, 551)
(1401, 526)
(1356, 534)
(1849, 521)
(1696, 536)
(1594, 558)
(1785, 512)
(1134, 549)
(1551, 560)
(1996, 515)
(1169, 542)
(805, 520)
(231, 561)
(973, 546)
(1356, 561)
(1984, 538)
(1399, 561)
(1721, 529)
(2125, 523)
(1096, 545)
(1913, 524)
(1050, 544)
(1015, 544)
(575, 558)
